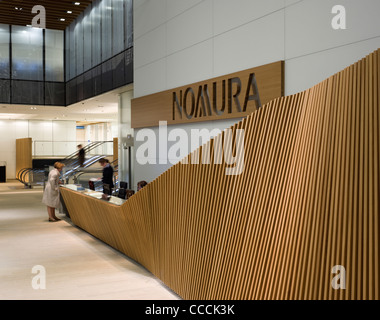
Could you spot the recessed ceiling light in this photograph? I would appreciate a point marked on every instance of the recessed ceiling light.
(62, 19)
(77, 3)
(69, 11)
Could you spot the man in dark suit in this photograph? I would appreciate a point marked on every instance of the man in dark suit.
(107, 178)
(81, 155)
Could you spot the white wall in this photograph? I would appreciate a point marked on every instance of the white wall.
(9, 132)
(314, 50)
(49, 138)
(101, 132)
(179, 42)
(162, 160)
(125, 129)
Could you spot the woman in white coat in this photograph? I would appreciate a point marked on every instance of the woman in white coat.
(51, 192)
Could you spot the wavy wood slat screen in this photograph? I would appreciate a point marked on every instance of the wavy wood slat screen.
(307, 200)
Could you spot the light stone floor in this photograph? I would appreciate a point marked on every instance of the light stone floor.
(77, 265)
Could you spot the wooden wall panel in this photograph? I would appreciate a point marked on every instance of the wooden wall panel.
(306, 201)
(148, 110)
(24, 154)
(115, 149)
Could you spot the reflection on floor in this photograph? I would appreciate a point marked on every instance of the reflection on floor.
(77, 265)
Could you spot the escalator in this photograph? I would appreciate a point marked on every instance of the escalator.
(78, 176)
(32, 177)
(37, 176)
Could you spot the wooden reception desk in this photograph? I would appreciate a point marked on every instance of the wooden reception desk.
(113, 222)
(305, 204)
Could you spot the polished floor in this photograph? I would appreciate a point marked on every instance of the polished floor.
(69, 263)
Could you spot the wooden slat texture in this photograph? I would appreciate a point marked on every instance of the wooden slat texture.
(307, 200)
(24, 157)
(115, 149)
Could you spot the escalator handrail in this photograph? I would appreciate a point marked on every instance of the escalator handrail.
(73, 171)
(23, 172)
(70, 160)
(87, 148)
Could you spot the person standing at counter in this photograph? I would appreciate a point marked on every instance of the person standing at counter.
(107, 178)
(51, 193)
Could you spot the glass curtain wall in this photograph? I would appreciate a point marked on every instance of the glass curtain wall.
(52, 67)
(99, 49)
(31, 66)
(4, 63)
(4, 51)
(27, 53)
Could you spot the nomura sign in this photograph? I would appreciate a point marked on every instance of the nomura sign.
(231, 96)
(202, 104)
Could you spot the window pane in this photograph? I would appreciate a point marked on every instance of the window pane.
(54, 93)
(106, 8)
(72, 53)
(71, 92)
(87, 39)
(80, 87)
(118, 65)
(78, 32)
(118, 26)
(128, 23)
(54, 55)
(129, 66)
(5, 90)
(96, 34)
(4, 51)
(107, 76)
(67, 53)
(27, 92)
(97, 79)
(88, 85)
(27, 50)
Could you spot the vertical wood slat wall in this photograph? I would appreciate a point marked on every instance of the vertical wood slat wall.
(307, 200)
(24, 153)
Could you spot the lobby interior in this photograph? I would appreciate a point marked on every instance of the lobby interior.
(119, 67)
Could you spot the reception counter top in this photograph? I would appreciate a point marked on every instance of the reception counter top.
(94, 194)
(124, 225)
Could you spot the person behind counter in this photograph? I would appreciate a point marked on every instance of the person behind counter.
(107, 175)
(51, 193)
(141, 184)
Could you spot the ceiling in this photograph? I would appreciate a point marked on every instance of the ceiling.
(19, 12)
(103, 108)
